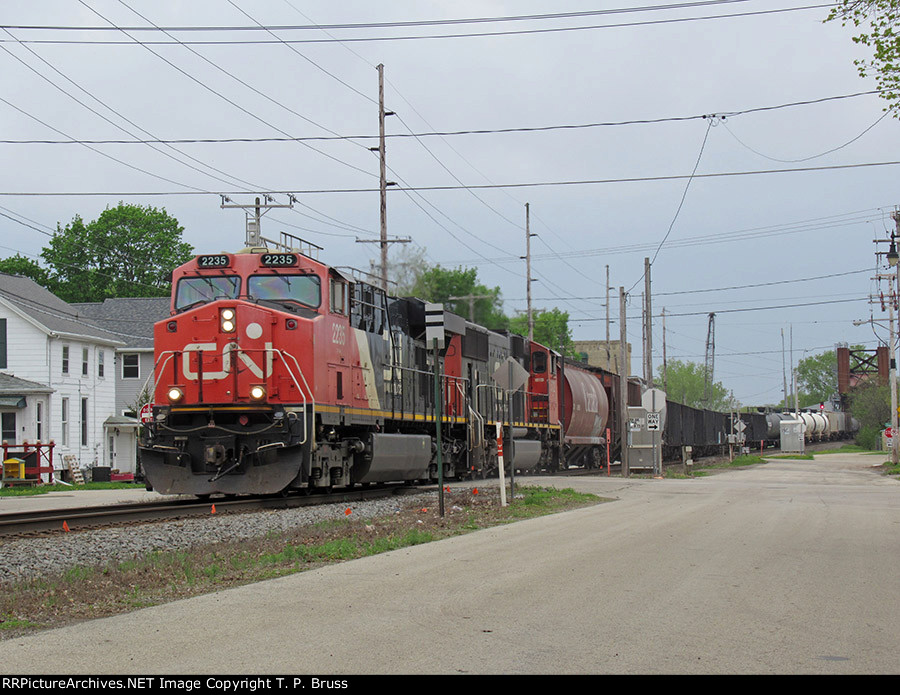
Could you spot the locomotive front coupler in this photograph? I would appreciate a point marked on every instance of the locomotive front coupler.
(228, 470)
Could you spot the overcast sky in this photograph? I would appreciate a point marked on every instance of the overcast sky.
(729, 231)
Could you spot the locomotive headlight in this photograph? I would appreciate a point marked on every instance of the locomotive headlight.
(257, 393)
(226, 320)
(175, 394)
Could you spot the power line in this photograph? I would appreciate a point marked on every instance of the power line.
(815, 156)
(527, 184)
(447, 133)
(381, 25)
(519, 32)
(222, 96)
(723, 289)
(758, 308)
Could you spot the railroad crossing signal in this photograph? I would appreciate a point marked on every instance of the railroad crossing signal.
(434, 324)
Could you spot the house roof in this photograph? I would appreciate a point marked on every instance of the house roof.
(14, 386)
(49, 312)
(130, 318)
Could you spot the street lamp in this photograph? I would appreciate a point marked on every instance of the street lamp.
(892, 255)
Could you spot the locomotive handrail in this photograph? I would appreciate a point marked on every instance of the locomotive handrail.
(503, 408)
(474, 415)
(303, 395)
(168, 354)
(443, 375)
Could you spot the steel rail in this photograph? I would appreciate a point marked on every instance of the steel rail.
(82, 518)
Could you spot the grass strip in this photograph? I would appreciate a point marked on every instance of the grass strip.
(82, 593)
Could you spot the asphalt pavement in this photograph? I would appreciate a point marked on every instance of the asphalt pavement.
(786, 567)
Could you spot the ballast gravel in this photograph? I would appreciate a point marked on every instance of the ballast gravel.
(32, 558)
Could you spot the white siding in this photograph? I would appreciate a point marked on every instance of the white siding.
(34, 355)
(99, 391)
(26, 348)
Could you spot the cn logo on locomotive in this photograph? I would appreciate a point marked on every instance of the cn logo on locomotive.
(248, 361)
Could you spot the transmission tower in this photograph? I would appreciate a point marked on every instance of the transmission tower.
(710, 355)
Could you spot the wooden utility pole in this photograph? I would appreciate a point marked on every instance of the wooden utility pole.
(528, 270)
(648, 329)
(383, 184)
(895, 455)
(784, 371)
(470, 298)
(382, 179)
(623, 384)
(608, 355)
(665, 366)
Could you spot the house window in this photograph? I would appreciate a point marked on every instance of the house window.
(8, 422)
(39, 421)
(100, 360)
(65, 422)
(84, 361)
(131, 366)
(84, 422)
(65, 359)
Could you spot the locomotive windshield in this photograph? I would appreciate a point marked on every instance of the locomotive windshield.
(301, 289)
(202, 289)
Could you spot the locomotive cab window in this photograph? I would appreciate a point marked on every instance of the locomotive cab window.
(538, 362)
(298, 288)
(339, 297)
(205, 288)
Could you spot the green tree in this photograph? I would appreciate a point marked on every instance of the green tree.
(817, 377)
(686, 383)
(19, 265)
(876, 20)
(129, 251)
(871, 405)
(454, 288)
(551, 328)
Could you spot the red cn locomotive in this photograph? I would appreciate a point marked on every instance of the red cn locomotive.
(276, 372)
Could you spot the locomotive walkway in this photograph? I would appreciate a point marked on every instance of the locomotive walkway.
(788, 567)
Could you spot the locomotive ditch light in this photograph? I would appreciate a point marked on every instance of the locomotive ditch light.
(226, 320)
(172, 326)
(175, 394)
(257, 393)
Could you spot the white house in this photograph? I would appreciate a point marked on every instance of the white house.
(131, 319)
(71, 363)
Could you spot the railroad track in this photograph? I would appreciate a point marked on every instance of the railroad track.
(83, 518)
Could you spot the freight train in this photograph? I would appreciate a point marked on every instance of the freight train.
(277, 373)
